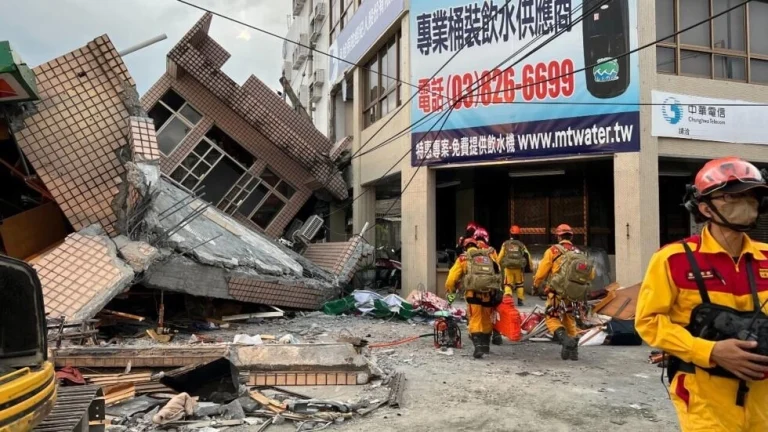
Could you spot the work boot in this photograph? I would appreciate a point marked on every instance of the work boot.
(568, 344)
(496, 338)
(485, 340)
(520, 302)
(575, 351)
(478, 346)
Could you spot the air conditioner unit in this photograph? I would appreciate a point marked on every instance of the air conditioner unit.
(320, 12)
(319, 78)
(317, 25)
(298, 5)
(315, 94)
(309, 230)
(315, 35)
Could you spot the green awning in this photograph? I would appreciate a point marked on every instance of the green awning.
(17, 81)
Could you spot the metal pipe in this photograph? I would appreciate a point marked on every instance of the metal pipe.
(142, 45)
(185, 205)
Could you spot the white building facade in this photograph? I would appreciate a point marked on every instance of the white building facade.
(306, 70)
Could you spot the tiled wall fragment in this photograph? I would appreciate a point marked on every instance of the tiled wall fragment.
(74, 138)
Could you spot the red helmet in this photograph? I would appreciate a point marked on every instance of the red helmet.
(729, 174)
(563, 229)
(514, 230)
(469, 241)
(481, 234)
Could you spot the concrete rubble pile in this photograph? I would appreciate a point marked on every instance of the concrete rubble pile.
(189, 387)
(93, 147)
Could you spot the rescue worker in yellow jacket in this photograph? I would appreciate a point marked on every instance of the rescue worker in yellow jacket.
(478, 273)
(513, 259)
(717, 378)
(559, 312)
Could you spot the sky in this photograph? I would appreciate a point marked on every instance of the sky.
(40, 30)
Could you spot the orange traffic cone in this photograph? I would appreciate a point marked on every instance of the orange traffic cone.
(509, 320)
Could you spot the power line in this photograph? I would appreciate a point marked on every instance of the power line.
(526, 46)
(267, 32)
(628, 53)
(450, 110)
(452, 105)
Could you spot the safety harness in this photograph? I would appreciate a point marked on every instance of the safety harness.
(704, 319)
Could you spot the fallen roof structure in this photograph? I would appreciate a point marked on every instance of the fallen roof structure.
(93, 147)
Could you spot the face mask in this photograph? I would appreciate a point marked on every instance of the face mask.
(740, 212)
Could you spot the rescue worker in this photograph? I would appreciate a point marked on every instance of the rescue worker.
(477, 272)
(723, 267)
(513, 259)
(559, 311)
(483, 242)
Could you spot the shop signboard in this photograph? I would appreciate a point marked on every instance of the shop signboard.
(545, 106)
(700, 118)
(17, 81)
(366, 26)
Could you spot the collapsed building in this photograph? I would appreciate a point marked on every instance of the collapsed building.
(186, 190)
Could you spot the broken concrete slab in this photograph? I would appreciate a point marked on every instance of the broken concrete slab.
(138, 255)
(215, 256)
(137, 357)
(82, 275)
(298, 357)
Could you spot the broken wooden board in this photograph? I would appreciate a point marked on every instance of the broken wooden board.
(148, 357)
(118, 393)
(290, 379)
(620, 303)
(270, 404)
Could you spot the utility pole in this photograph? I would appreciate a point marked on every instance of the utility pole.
(294, 99)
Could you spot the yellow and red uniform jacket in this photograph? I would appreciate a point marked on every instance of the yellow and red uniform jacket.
(669, 293)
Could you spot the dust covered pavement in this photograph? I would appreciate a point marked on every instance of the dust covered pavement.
(520, 387)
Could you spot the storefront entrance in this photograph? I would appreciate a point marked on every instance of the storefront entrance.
(537, 196)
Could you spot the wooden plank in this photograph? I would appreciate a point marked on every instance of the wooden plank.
(243, 317)
(272, 405)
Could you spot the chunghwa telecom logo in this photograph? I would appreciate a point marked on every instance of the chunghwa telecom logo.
(672, 110)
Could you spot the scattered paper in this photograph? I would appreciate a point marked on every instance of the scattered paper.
(244, 339)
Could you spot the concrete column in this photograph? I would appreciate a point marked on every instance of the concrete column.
(364, 205)
(636, 195)
(418, 234)
(636, 175)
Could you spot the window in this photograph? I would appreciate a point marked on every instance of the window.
(174, 118)
(726, 49)
(382, 83)
(340, 13)
(259, 199)
(215, 167)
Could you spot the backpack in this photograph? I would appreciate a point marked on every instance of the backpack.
(480, 273)
(573, 279)
(514, 255)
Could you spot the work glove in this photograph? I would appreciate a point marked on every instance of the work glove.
(451, 298)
